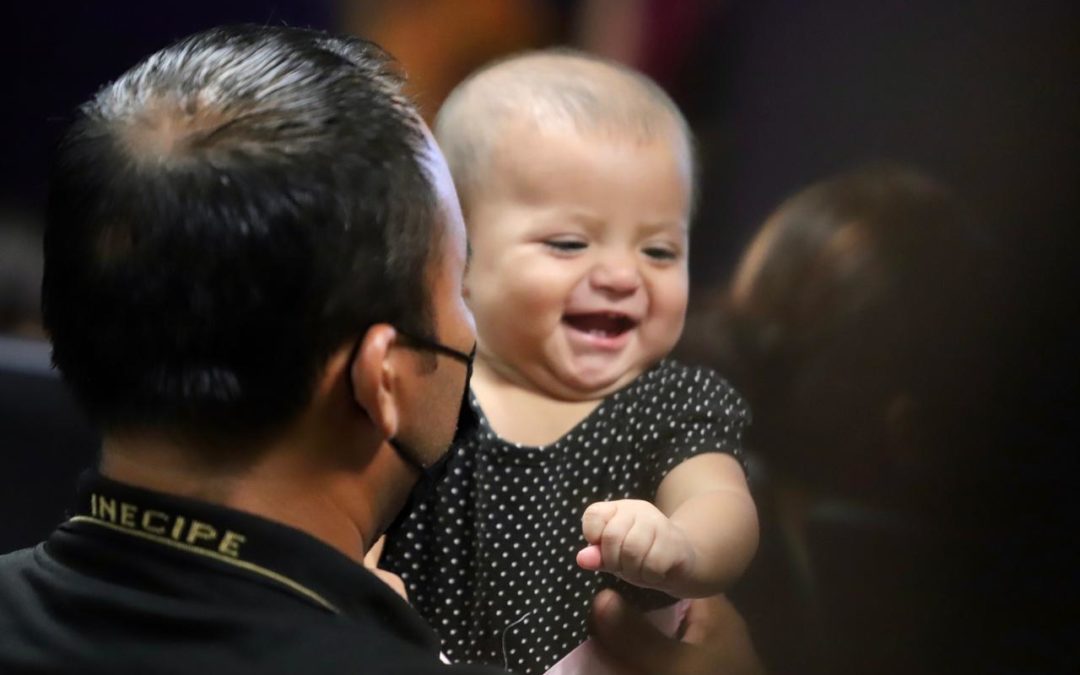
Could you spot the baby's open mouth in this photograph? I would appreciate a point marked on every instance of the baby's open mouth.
(605, 324)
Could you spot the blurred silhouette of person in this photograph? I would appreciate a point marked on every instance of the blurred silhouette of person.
(855, 325)
(20, 276)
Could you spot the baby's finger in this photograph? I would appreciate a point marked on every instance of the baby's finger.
(589, 558)
(392, 580)
(611, 540)
(371, 559)
(659, 562)
(639, 540)
(595, 518)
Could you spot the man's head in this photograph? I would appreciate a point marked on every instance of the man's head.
(576, 177)
(232, 212)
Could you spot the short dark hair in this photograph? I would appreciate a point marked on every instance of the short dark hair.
(225, 215)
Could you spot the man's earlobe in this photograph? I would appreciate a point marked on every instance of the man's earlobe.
(374, 378)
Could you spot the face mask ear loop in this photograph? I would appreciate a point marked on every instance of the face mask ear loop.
(468, 423)
(353, 353)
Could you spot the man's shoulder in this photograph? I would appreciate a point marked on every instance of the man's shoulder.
(14, 567)
(16, 559)
(13, 564)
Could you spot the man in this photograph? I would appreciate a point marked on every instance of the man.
(252, 284)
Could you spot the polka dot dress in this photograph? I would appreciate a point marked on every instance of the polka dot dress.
(489, 558)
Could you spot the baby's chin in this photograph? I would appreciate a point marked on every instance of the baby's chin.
(584, 379)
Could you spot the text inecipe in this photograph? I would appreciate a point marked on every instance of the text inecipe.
(161, 524)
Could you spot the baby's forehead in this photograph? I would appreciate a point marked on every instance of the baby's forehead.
(595, 102)
(559, 168)
(529, 120)
(558, 87)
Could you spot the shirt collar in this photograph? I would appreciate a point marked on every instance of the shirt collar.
(260, 549)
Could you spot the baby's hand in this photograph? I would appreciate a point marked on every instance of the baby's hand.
(635, 541)
(392, 580)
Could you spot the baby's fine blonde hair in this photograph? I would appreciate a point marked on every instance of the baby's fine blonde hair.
(553, 88)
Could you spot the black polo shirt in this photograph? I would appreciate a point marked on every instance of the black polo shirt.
(142, 582)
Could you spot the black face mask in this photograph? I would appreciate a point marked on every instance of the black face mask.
(432, 475)
(467, 423)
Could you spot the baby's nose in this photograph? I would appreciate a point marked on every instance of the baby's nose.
(616, 276)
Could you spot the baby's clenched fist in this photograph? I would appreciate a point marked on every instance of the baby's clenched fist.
(634, 540)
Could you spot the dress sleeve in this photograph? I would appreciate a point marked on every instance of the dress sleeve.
(703, 413)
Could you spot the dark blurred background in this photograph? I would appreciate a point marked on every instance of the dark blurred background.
(984, 95)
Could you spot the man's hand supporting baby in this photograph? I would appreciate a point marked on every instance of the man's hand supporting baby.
(696, 540)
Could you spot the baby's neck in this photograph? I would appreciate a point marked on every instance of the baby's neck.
(523, 415)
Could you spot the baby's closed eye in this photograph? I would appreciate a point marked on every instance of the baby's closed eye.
(662, 253)
(566, 245)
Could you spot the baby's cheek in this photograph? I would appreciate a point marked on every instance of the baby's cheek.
(518, 315)
(668, 310)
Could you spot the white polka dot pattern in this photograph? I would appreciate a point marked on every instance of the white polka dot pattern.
(489, 557)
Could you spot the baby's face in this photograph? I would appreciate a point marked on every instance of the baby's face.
(578, 277)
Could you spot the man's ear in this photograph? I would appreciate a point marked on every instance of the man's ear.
(374, 378)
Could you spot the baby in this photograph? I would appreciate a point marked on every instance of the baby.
(594, 455)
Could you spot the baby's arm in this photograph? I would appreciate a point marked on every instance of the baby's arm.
(697, 539)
